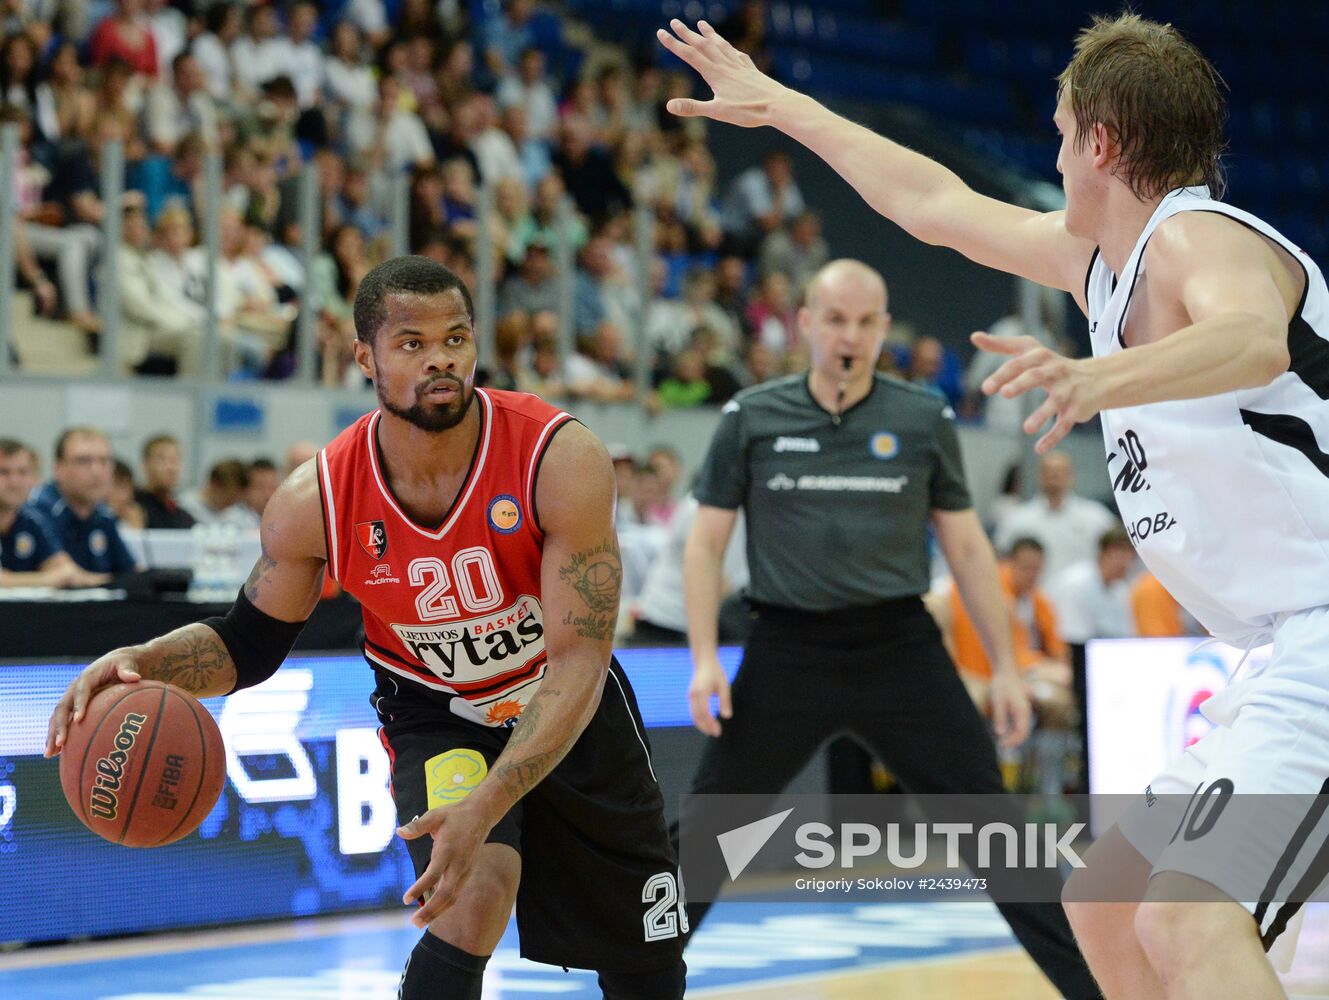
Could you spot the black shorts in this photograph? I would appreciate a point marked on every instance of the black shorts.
(599, 879)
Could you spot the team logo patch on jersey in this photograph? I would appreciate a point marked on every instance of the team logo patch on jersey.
(24, 545)
(884, 445)
(453, 775)
(373, 538)
(504, 514)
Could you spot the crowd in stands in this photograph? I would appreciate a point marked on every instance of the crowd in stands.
(449, 98)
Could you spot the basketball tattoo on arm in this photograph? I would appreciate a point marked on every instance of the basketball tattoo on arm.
(597, 576)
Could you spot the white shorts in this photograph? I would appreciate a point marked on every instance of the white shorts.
(1246, 808)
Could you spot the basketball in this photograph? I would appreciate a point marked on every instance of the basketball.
(144, 766)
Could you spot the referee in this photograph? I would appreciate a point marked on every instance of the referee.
(839, 474)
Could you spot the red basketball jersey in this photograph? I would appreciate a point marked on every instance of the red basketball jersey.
(454, 607)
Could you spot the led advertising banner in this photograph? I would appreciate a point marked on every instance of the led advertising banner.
(305, 824)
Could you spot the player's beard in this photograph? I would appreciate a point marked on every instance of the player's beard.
(430, 416)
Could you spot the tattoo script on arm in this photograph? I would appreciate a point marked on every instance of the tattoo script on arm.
(596, 574)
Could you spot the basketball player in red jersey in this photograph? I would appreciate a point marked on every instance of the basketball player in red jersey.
(476, 528)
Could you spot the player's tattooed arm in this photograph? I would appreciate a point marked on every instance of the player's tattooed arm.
(258, 576)
(193, 658)
(521, 767)
(596, 575)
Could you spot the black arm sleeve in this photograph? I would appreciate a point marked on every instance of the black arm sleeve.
(257, 642)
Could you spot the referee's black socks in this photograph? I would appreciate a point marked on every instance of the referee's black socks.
(437, 969)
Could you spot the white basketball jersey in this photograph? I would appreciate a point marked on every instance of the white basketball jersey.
(1227, 497)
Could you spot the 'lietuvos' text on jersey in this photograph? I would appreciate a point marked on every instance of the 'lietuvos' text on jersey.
(1226, 497)
(454, 607)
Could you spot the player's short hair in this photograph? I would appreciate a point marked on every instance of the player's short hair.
(73, 432)
(410, 275)
(157, 439)
(1115, 538)
(1025, 543)
(1158, 97)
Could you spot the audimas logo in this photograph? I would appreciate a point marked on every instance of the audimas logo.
(884, 445)
(453, 775)
(504, 514)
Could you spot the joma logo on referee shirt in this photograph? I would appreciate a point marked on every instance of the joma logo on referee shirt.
(797, 444)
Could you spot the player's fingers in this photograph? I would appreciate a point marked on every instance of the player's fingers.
(126, 673)
(681, 49)
(1054, 437)
(699, 707)
(1001, 345)
(418, 827)
(427, 882)
(687, 107)
(55, 729)
(684, 32)
(439, 902)
(1007, 373)
(1045, 412)
(1033, 377)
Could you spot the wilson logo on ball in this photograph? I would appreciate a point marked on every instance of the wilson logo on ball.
(104, 803)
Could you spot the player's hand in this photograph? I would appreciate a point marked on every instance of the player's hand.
(116, 667)
(1011, 714)
(459, 831)
(709, 680)
(743, 93)
(1070, 399)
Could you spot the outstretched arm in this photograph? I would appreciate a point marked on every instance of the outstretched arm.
(580, 578)
(918, 194)
(284, 586)
(1235, 297)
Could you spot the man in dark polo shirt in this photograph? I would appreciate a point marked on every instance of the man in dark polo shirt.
(839, 473)
(30, 551)
(74, 501)
(161, 478)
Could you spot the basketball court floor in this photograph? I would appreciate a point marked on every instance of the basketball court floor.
(745, 951)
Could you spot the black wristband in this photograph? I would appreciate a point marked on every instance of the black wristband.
(257, 642)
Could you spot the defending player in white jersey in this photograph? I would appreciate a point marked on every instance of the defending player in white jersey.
(1212, 375)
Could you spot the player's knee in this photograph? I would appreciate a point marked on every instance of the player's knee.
(663, 984)
(1177, 935)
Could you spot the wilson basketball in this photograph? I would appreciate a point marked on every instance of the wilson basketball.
(144, 766)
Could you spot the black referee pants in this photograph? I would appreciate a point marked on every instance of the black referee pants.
(882, 674)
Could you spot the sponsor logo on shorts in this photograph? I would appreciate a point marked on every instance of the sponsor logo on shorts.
(884, 445)
(504, 514)
(797, 444)
(373, 538)
(453, 775)
(104, 802)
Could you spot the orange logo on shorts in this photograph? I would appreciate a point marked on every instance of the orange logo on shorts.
(502, 712)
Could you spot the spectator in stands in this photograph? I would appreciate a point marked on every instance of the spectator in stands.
(532, 153)
(658, 611)
(398, 137)
(651, 500)
(349, 83)
(530, 90)
(125, 35)
(261, 481)
(371, 17)
(456, 75)
(155, 323)
(771, 314)
(304, 58)
(75, 502)
(459, 198)
(225, 487)
(544, 378)
(760, 200)
(1068, 526)
(354, 203)
(174, 268)
(170, 33)
(533, 288)
(179, 106)
(120, 497)
(19, 73)
(260, 54)
(670, 324)
(31, 554)
(588, 171)
(1156, 613)
(222, 24)
(685, 386)
(65, 106)
(936, 369)
(494, 149)
(998, 412)
(719, 364)
(747, 29)
(731, 291)
(543, 223)
(506, 36)
(603, 290)
(665, 460)
(1092, 598)
(511, 335)
(598, 371)
(625, 484)
(1040, 651)
(798, 250)
(609, 114)
(336, 278)
(161, 479)
(760, 363)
